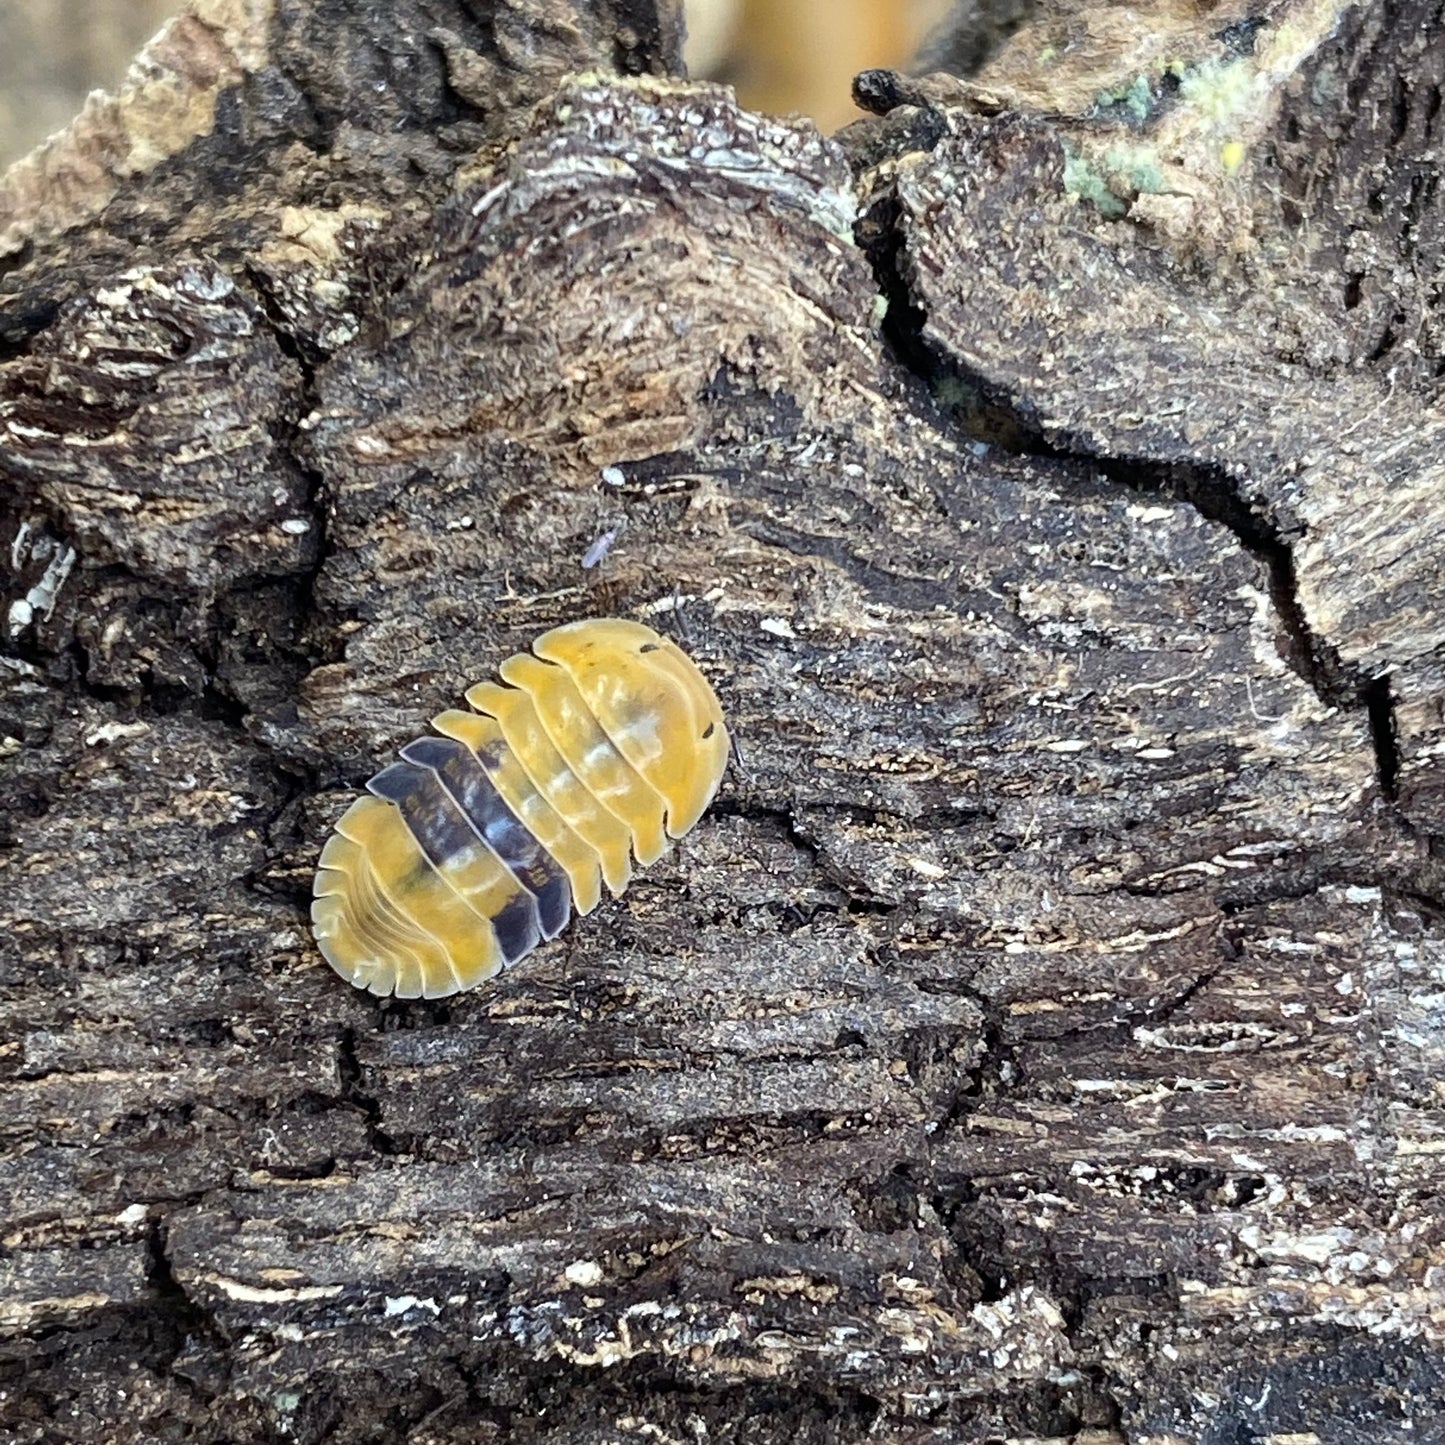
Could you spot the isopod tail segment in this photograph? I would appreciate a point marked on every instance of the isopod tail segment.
(595, 748)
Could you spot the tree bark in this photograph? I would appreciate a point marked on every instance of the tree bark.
(1041, 1038)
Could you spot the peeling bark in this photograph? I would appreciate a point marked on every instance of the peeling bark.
(1040, 1039)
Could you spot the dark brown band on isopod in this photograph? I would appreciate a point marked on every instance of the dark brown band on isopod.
(443, 832)
(479, 801)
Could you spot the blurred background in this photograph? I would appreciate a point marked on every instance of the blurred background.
(802, 55)
(782, 55)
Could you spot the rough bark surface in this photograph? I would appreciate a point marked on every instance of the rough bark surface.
(1041, 1039)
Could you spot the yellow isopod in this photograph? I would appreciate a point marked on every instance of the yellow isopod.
(597, 746)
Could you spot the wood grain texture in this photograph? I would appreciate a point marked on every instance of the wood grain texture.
(1261, 212)
(1041, 1037)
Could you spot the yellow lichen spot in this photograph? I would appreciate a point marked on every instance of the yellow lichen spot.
(1231, 155)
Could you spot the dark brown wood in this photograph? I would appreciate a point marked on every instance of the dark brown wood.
(1040, 1040)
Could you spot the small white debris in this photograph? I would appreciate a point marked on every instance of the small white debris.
(41, 597)
(18, 548)
(1345, 984)
(132, 1214)
(673, 602)
(777, 627)
(401, 1304)
(258, 1295)
(1067, 745)
(1149, 514)
(926, 869)
(613, 476)
(1362, 895)
(206, 285)
(109, 732)
(490, 198)
(1155, 753)
(584, 1273)
(45, 591)
(113, 296)
(20, 616)
(296, 526)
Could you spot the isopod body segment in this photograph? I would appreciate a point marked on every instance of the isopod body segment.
(595, 748)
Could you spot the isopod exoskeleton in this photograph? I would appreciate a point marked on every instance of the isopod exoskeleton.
(597, 746)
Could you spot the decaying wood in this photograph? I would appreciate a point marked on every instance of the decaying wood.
(1042, 1037)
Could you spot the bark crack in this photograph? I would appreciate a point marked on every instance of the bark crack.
(350, 1071)
(987, 415)
(197, 1351)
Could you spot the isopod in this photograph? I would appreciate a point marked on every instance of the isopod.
(595, 748)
